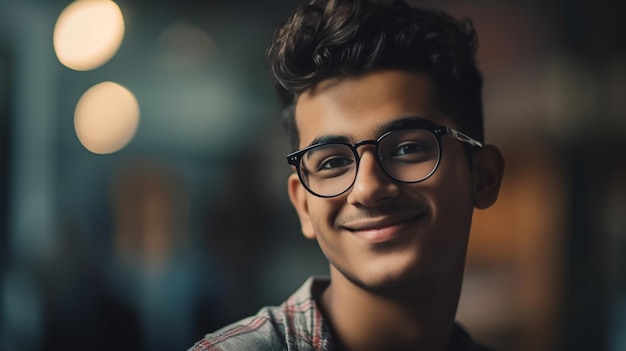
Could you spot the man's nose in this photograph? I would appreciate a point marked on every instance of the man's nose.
(371, 185)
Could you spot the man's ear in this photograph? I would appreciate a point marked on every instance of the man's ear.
(298, 197)
(488, 171)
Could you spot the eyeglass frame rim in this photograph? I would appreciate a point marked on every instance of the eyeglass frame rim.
(294, 158)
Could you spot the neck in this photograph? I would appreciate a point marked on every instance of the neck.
(416, 317)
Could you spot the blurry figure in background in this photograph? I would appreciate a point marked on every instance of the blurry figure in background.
(149, 215)
(238, 232)
(155, 269)
(383, 105)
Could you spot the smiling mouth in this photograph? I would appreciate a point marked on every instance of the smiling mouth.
(384, 230)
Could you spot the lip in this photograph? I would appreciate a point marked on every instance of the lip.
(381, 230)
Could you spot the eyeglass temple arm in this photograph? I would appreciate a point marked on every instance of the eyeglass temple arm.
(463, 137)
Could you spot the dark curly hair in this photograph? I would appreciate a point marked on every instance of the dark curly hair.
(347, 38)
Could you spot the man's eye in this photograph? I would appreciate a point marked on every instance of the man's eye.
(335, 162)
(409, 148)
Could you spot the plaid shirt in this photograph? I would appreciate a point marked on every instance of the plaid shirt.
(297, 324)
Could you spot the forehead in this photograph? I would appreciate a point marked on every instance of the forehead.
(356, 107)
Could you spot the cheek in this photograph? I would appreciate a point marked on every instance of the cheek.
(451, 213)
(451, 198)
(454, 178)
(323, 213)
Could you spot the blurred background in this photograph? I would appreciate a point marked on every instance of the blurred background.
(142, 174)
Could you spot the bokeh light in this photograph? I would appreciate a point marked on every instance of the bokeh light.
(106, 118)
(88, 33)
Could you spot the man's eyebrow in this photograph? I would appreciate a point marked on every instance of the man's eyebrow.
(330, 139)
(403, 122)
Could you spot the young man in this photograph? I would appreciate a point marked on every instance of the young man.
(383, 103)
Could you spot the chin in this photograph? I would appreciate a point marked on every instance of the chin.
(386, 284)
(386, 279)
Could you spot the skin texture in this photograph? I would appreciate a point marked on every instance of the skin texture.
(396, 251)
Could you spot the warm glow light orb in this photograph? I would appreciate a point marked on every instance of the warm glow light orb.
(88, 33)
(106, 118)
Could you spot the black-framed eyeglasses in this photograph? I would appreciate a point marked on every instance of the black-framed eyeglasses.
(407, 155)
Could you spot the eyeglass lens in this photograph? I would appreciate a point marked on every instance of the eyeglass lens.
(409, 156)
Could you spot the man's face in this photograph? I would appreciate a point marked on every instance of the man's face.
(381, 233)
